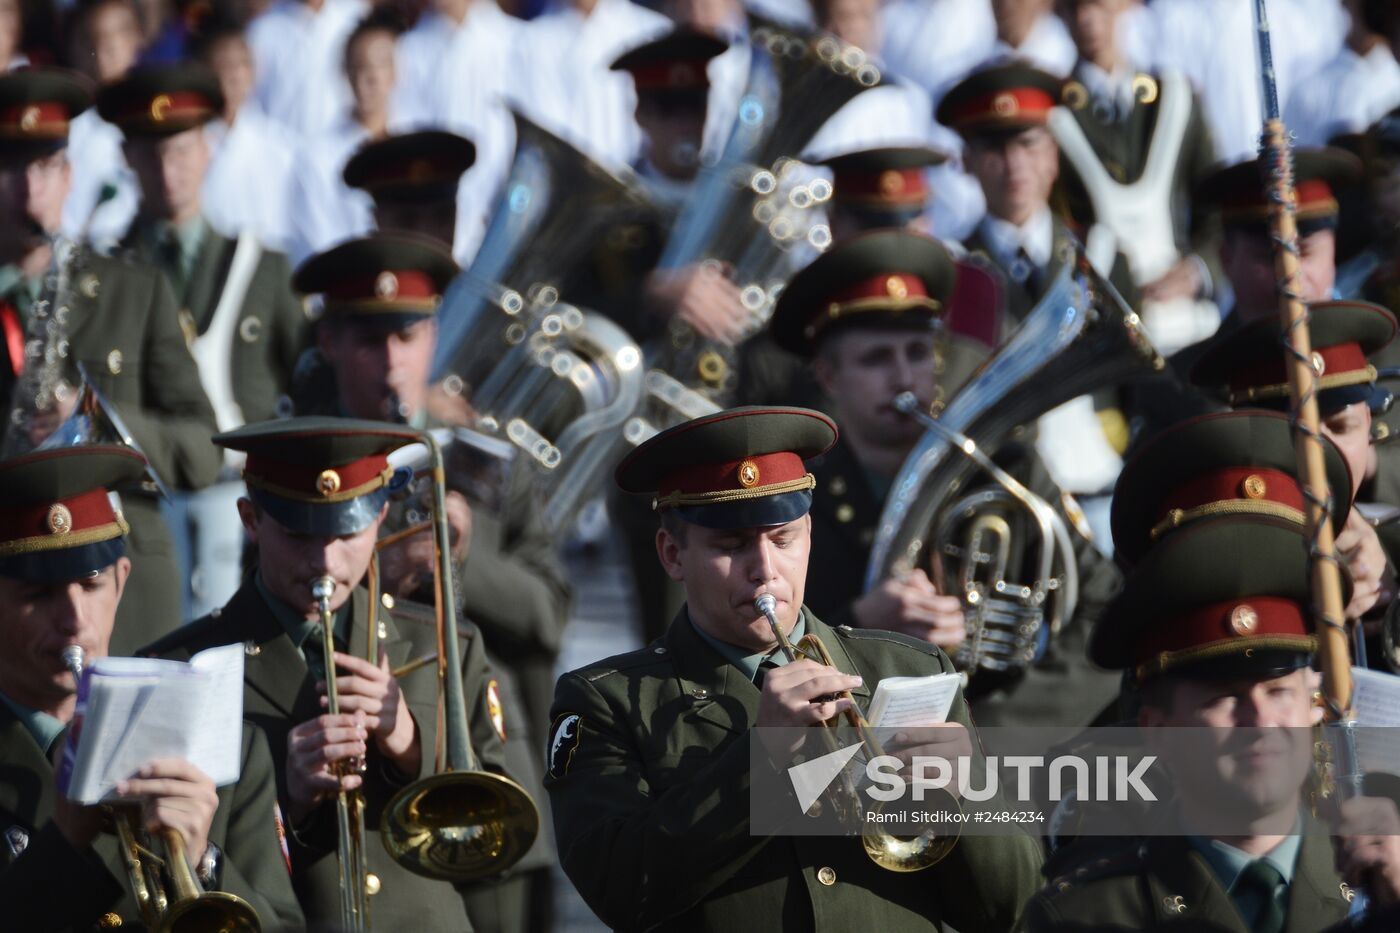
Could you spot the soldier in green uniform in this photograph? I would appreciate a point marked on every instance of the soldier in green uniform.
(413, 178)
(1147, 134)
(1001, 114)
(244, 325)
(1236, 196)
(318, 489)
(120, 324)
(650, 769)
(868, 315)
(1245, 369)
(63, 571)
(1214, 624)
(378, 331)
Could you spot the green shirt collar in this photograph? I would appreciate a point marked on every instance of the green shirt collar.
(189, 235)
(298, 628)
(42, 726)
(748, 663)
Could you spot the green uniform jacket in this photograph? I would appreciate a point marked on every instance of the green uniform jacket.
(279, 692)
(1165, 883)
(123, 328)
(49, 885)
(1123, 146)
(271, 329)
(1063, 688)
(651, 809)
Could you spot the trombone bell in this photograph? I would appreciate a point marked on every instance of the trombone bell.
(460, 826)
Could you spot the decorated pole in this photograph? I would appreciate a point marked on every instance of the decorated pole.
(1275, 158)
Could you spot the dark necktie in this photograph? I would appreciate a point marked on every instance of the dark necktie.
(1259, 882)
(764, 666)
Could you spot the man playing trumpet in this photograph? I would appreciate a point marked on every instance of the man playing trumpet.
(63, 570)
(318, 489)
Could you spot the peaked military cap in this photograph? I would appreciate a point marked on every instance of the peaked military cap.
(1224, 597)
(320, 476)
(392, 279)
(57, 520)
(883, 278)
(162, 100)
(675, 62)
(740, 468)
(1004, 97)
(36, 107)
(1249, 365)
(414, 168)
(1237, 191)
(1234, 462)
(887, 181)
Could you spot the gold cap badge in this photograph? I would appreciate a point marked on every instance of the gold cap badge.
(748, 474)
(60, 520)
(328, 483)
(1254, 486)
(1243, 619)
(387, 286)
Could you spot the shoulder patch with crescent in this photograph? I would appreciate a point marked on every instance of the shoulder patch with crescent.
(563, 742)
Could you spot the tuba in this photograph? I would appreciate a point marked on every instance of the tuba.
(754, 205)
(555, 381)
(1080, 337)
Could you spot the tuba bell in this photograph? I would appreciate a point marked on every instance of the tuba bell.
(756, 204)
(1080, 337)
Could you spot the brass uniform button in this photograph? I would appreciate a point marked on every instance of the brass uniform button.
(837, 486)
(114, 362)
(371, 884)
(109, 921)
(700, 693)
(387, 600)
(845, 512)
(826, 875)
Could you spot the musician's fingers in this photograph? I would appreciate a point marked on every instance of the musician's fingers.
(158, 787)
(806, 690)
(356, 666)
(814, 713)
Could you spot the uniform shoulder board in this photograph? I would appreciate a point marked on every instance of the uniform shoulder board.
(653, 654)
(1096, 865)
(898, 638)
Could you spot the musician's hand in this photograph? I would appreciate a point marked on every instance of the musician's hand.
(459, 523)
(448, 407)
(1182, 280)
(948, 741)
(175, 795)
(370, 689)
(913, 605)
(45, 422)
(1368, 847)
(701, 296)
(314, 748)
(80, 825)
(1360, 547)
(788, 700)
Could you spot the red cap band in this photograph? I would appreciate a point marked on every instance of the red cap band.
(1314, 198)
(421, 170)
(71, 522)
(1248, 622)
(1249, 483)
(733, 476)
(895, 285)
(1011, 106)
(303, 483)
(671, 76)
(390, 289)
(176, 107)
(35, 121)
(893, 186)
(1273, 370)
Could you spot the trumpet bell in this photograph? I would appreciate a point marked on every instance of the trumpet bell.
(211, 912)
(460, 826)
(908, 853)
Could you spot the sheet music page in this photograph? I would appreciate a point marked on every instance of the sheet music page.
(140, 709)
(913, 701)
(1376, 698)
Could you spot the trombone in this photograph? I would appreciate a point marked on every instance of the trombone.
(185, 906)
(890, 852)
(357, 883)
(461, 823)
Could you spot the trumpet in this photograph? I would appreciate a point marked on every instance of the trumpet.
(357, 883)
(186, 906)
(890, 852)
(461, 823)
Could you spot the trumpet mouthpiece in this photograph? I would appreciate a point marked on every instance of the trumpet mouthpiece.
(766, 603)
(73, 660)
(323, 588)
(906, 402)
